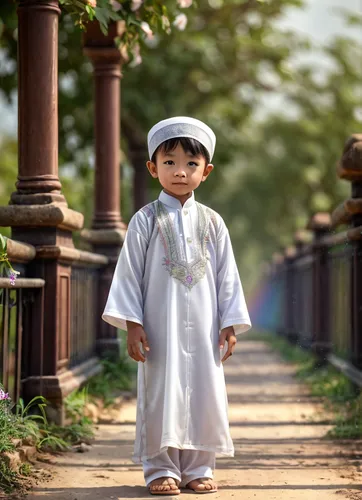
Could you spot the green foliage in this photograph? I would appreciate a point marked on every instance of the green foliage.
(29, 422)
(74, 404)
(20, 423)
(290, 352)
(116, 376)
(9, 479)
(327, 382)
(348, 421)
(159, 16)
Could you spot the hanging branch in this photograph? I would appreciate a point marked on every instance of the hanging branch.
(142, 19)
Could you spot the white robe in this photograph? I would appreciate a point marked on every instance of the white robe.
(176, 275)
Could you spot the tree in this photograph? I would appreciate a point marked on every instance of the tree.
(290, 161)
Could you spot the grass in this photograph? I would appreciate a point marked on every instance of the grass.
(116, 376)
(340, 396)
(19, 421)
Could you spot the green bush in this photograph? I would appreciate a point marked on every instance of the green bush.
(116, 376)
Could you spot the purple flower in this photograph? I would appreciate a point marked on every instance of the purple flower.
(3, 395)
(12, 277)
(189, 279)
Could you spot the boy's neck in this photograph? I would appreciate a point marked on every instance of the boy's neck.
(182, 199)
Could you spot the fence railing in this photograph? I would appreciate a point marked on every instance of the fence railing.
(84, 306)
(14, 304)
(312, 292)
(25, 364)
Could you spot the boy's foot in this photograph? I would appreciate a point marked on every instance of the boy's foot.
(202, 485)
(164, 486)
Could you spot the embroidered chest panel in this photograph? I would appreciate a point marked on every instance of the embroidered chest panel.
(175, 261)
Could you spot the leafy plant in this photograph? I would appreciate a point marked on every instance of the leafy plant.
(116, 376)
(5, 266)
(140, 19)
(75, 403)
(9, 479)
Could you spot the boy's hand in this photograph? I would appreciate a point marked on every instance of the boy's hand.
(228, 335)
(136, 336)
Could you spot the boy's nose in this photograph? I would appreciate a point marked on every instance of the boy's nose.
(180, 173)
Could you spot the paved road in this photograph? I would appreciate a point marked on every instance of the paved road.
(277, 431)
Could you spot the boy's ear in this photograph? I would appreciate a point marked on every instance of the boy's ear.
(152, 169)
(207, 171)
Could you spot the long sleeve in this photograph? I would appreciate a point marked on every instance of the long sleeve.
(125, 300)
(231, 301)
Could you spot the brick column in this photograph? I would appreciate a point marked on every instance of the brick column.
(107, 233)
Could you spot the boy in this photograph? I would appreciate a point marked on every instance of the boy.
(177, 291)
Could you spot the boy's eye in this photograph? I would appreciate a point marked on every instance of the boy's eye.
(193, 164)
(168, 162)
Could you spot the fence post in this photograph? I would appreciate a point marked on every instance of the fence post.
(303, 285)
(350, 168)
(320, 224)
(278, 293)
(290, 294)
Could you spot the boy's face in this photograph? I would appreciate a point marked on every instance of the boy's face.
(179, 172)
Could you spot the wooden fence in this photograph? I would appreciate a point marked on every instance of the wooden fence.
(28, 364)
(312, 292)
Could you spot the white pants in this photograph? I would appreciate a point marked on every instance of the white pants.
(183, 465)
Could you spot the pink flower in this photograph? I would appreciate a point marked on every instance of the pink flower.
(146, 28)
(180, 22)
(3, 395)
(116, 6)
(92, 3)
(184, 4)
(166, 24)
(136, 4)
(137, 58)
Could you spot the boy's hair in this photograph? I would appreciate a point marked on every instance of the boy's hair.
(188, 144)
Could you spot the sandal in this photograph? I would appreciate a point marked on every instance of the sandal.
(163, 483)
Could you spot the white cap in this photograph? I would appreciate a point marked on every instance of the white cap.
(181, 126)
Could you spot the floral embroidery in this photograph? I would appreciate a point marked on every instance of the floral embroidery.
(188, 273)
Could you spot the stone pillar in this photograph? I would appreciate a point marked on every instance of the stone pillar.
(38, 181)
(38, 212)
(107, 233)
(320, 224)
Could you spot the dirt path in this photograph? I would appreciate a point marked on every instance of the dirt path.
(277, 434)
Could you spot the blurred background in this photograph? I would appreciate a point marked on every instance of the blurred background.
(279, 81)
